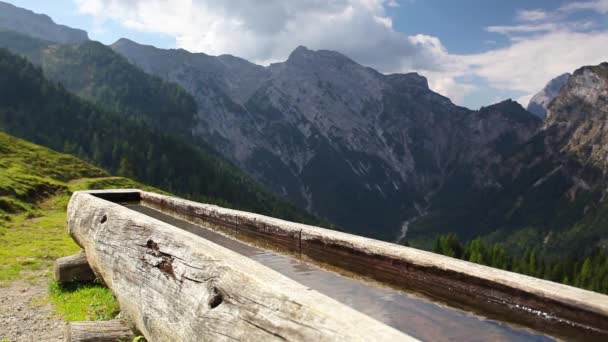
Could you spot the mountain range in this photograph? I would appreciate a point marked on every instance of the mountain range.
(378, 154)
(366, 150)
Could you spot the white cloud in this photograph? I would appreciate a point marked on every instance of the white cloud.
(546, 45)
(267, 31)
(445, 83)
(542, 45)
(524, 31)
(524, 100)
(529, 28)
(531, 15)
(600, 6)
(527, 65)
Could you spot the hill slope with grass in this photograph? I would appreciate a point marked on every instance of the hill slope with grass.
(35, 186)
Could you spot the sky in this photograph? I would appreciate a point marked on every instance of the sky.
(476, 52)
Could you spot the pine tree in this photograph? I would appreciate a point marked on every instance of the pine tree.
(532, 266)
(585, 274)
(125, 168)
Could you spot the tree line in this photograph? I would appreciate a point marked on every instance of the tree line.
(589, 272)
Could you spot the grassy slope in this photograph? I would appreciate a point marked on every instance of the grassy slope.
(35, 187)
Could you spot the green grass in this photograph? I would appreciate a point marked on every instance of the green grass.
(80, 302)
(35, 187)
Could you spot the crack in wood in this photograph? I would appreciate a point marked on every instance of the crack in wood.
(165, 264)
(265, 330)
(222, 334)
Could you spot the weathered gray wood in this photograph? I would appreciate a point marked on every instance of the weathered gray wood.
(73, 268)
(176, 286)
(97, 331)
(486, 290)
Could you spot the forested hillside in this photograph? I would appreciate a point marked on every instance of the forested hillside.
(589, 272)
(44, 112)
(96, 73)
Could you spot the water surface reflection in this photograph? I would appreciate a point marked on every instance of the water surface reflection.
(416, 316)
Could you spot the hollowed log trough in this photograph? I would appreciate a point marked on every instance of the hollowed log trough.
(175, 286)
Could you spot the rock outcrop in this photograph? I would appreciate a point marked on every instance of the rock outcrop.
(539, 102)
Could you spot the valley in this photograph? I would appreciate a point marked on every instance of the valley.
(316, 138)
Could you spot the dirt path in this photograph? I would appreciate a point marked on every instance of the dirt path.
(26, 314)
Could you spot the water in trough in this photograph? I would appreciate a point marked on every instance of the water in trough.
(415, 315)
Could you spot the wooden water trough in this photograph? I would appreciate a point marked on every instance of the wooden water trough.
(176, 286)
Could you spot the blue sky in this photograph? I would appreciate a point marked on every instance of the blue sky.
(106, 31)
(460, 24)
(476, 52)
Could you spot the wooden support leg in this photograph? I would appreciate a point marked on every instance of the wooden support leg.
(73, 268)
(97, 331)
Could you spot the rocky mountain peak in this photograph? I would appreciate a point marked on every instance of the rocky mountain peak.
(304, 57)
(513, 111)
(36, 25)
(600, 70)
(577, 117)
(124, 42)
(301, 50)
(539, 102)
(410, 79)
(300, 55)
(587, 87)
(506, 105)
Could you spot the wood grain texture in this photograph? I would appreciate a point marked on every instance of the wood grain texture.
(542, 304)
(73, 268)
(176, 286)
(97, 331)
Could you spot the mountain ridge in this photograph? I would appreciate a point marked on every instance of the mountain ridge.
(38, 25)
(278, 120)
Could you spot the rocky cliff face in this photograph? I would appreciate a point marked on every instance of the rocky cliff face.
(550, 191)
(575, 140)
(579, 116)
(37, 25)
(366, 150)
(539, 102)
